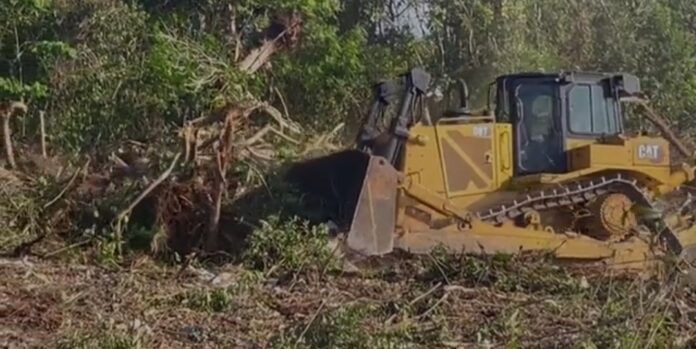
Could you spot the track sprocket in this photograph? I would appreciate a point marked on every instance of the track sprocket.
(610, 218)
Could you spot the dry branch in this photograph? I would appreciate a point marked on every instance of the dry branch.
(187, 135)
(7, 112)
(323, 142)
(283, 32)
(258, 135)
(201, 143)
(123, 215)
(437, 286)
(223, 157)
(42, 121)
(311, 321)
(282, 102)
(259, 154)
(258, 57)
(284, 122)
(665, 130)
(67, 248)
(191, 135)
(67, 186)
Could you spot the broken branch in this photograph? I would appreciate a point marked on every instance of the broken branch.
(665, 130)
(67, 186)
(7, 112)
(42, 121)
(123, 215)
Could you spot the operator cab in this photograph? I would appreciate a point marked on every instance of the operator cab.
(547, 110)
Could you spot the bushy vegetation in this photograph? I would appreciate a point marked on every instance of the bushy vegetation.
(289, 245)
(104, 71)
(119, 85)
(501, 271)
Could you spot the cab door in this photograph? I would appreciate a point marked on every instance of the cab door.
(536, 117)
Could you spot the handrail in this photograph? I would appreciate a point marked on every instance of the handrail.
(465, 118)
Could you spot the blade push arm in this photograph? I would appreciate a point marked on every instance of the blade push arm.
(408, 90)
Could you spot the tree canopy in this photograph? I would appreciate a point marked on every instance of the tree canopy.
(106, 69)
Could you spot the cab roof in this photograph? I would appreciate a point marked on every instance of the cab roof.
(627, 82)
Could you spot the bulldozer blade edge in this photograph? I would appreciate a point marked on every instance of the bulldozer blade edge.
(360, 191)
(687, 241)
(373, 224)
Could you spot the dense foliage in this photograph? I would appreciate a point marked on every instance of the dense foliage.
(106, 70)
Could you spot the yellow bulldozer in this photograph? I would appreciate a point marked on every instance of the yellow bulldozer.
(547, 165)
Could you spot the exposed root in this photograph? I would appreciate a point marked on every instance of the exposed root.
(180, 215)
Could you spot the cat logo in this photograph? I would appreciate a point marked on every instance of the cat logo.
(649, 152)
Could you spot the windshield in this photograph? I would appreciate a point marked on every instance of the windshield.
(537, 103)
(538, 145)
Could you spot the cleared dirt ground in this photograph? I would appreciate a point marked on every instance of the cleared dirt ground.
(433, 302)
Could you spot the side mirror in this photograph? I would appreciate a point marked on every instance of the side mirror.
(623, 85)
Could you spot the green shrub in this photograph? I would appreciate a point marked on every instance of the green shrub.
(213, 301)
(289, 245)
(505, 272)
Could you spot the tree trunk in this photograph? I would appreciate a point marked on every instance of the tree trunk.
(7, 136)
(6, 113)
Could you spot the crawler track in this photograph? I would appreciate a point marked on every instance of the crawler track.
(578, 193)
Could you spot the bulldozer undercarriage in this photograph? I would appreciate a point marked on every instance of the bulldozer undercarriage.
(596, 220)
(606, 229)
(604, 209)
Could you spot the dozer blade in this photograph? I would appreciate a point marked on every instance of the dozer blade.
(687, 241)
(680, 238)
(361, 190)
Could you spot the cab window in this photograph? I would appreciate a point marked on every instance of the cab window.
(590, 111)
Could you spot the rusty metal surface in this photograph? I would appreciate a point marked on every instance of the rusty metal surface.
(372, 229)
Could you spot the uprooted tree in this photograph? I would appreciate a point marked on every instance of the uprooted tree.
(214, 143)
